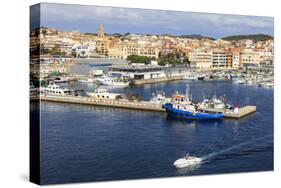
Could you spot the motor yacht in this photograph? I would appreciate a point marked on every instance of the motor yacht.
(55, 89)
(106, 80)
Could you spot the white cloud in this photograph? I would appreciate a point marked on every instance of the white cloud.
(176, 20)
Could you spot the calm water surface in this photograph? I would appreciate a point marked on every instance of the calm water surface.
(86, 143)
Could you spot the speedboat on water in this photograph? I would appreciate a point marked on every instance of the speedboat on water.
(187, 161)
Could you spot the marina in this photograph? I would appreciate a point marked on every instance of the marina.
(124, 76)
(153, 134)
(121, 76)
(182, 105)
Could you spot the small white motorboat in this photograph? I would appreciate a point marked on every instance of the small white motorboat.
(187, 161)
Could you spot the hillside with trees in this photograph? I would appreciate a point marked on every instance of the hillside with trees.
(256, 37)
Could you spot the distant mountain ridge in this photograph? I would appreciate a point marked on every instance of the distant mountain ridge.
(195, 36)
(256, 37)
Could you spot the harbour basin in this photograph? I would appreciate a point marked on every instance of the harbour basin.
(88, 143)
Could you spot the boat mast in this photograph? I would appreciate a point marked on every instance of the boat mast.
(187, 92)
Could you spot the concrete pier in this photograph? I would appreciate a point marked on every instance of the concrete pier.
(243, 111)
(156, 80)
(136, 105)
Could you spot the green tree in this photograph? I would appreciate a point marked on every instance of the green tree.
(138, 59)
(169, 58)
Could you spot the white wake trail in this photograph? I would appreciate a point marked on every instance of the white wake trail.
(205, 157)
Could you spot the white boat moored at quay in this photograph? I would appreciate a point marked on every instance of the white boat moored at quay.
(54, 89)
(266, 84)
(218, 104)
(159, 98)
(61, 79)
(190, 77)
(110, 81)
(102, 93)
(87, 80)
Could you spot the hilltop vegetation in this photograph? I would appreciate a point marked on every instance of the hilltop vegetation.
(256, 37)
(195, 36)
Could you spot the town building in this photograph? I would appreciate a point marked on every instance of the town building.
(229, 59)
(250, 58)
(218, 59)
(123, 49)
(102, 46)
(83, 51)
(140, 72)
(200, 60)
(236, 60)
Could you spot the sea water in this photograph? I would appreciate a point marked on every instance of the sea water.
(88, 143)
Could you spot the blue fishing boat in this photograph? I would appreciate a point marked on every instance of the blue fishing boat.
(183, 113)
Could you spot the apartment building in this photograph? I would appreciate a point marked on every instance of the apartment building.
(200, 60)
(250, 58)
(124, 49)
(229, 59)
(236, 59)
(102, 46)
(218, 59)
(79, 50)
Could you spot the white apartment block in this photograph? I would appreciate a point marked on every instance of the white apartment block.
(124, 49)
(200, 60)
(250, 58)
(83, 50)
(218, 59)
(236, 60)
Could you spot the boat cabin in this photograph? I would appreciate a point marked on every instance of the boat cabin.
(177, 98)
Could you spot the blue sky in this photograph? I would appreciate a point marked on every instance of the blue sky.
(122, 20)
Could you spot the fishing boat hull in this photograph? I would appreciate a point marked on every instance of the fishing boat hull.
(180, 114)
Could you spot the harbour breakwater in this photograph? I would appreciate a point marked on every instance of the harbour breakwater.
(136, 105)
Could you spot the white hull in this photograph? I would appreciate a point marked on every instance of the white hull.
(103, 94)
(90, 80)
(54, 89)
(111, 82)
(187, 162)
(61, 80)
(191, 78)
(219, 106)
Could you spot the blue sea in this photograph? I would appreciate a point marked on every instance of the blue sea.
(82, 143)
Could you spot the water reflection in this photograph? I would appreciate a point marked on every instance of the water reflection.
(187, 170)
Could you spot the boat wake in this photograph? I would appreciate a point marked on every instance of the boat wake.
(212, 155)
